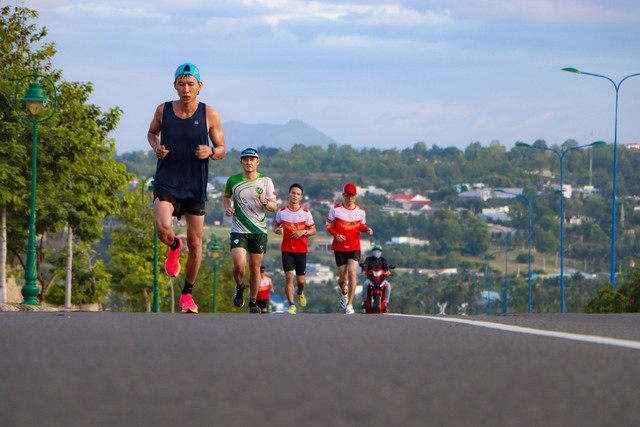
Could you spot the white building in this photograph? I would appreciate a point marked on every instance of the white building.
(406, 240)
(318, 273)
(496, 214)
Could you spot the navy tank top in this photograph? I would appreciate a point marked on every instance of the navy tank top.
(181, 172)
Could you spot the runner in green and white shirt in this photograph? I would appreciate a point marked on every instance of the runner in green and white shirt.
(250, 216)
(247, 197)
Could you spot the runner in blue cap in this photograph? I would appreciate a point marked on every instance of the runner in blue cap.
(184, 134)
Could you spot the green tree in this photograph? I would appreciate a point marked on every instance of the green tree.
(624, 300)
(90, 279)
(22, 50)
(78, 178)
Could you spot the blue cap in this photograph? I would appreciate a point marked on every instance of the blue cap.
(188, 69)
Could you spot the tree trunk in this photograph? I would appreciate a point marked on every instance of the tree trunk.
(67, 288)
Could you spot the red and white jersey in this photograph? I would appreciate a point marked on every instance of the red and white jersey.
(348, 223)
(300, 219)
(263, 290)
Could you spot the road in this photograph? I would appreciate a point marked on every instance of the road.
(139, 369)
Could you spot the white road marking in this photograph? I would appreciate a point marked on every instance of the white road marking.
(594, 339)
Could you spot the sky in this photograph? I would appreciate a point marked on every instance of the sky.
(383, 74)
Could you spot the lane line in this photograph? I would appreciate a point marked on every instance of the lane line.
(594, 339)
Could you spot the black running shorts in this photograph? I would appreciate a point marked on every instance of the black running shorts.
(343, 257)
(180, 206)
(295, 261)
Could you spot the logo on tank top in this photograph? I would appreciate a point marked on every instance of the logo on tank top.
(196, 122)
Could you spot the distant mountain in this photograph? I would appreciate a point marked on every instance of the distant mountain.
(241, 135)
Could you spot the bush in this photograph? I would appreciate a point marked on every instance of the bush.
(55, 295)
(524, 258)
(609, 302)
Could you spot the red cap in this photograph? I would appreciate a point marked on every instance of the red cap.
(349, 189)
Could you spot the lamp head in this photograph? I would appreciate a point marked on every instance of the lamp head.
(215, 249)
(593, 144)
(572, 70)
(35, 97)
(523, 144)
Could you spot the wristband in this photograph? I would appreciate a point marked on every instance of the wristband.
(213, 152)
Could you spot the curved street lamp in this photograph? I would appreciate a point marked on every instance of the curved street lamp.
(529, 201)
(34, 98)
(216, 255)
(615, 166)
(560, 155)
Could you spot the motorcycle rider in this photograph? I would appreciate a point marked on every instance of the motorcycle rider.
(376, 262)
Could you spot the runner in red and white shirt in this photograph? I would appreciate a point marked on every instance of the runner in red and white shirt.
(266, 286)
(345, 222)
(295, 223)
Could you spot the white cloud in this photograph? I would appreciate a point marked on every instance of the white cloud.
(108, 10)
(363, 14)
(366, 71)
(550, 11)
(537, 120)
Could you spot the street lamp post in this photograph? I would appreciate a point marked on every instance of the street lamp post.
(488, 258)
(35, 97)
(475, 283)
(216, 254)
(507, 235)
(156, 296)
(529, 201)
(560, 155)
(615, 166)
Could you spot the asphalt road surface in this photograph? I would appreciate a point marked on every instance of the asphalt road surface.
(138, 369)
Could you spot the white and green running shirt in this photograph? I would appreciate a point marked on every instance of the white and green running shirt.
(250, 215)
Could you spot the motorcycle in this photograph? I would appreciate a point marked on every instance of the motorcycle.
(376, 288)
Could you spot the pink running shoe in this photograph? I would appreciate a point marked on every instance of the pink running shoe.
(187, 304)
(172, 265)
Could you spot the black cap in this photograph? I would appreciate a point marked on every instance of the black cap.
(250, 152)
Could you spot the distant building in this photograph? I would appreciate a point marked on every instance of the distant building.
(318, 273)
(588, 191)
(485, 296)
(484, 194)
(633, 146)
(579, 220)
(414, 210)
(429, 272)
(496, 214)
(406, 240)
(276, 304)
(545, 173)
(371, 189)
(567, 190)
(509, 193)
(408, 201)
